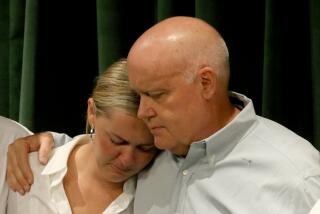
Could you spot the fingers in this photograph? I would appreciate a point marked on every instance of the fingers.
(19, 175)
(46, 146)
(14, 184)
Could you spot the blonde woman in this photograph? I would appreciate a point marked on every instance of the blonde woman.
(94, 172)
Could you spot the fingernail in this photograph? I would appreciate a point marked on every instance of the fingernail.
(43, 160)
(29, 180)
(26, 188)
(21, 191)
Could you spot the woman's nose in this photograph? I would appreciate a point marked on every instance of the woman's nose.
(127, 158)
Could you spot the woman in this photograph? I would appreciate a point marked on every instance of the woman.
(94, 173)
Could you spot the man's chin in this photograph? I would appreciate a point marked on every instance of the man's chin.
(161, 143)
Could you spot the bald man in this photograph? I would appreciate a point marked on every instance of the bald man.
(219, 156)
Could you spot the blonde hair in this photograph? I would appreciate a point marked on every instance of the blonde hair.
(112, 91)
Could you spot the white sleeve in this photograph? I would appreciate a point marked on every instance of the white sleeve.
(3, 186)
(9, 131)
(60, 138)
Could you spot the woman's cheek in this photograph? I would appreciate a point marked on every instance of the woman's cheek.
(146, 158)
(104, 148)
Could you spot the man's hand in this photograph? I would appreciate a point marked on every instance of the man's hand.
(19, 176)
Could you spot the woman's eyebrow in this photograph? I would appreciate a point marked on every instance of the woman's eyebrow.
(118, 136)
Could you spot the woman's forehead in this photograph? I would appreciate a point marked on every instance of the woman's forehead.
(126, 127)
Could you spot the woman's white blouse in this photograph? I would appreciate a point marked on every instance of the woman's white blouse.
(47, 194)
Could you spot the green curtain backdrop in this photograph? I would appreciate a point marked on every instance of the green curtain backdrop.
(50, 53)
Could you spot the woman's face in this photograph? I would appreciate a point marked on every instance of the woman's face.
(123, 145)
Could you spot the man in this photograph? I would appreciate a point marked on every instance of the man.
(220, 157)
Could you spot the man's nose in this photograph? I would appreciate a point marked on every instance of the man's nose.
(146, 109)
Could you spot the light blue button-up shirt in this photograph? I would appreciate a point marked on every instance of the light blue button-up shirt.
(252, 165)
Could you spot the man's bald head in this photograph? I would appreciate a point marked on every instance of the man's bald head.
(180, 69)
(182, 41)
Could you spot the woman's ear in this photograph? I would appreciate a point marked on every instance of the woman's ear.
(91, 111)
(208, 81)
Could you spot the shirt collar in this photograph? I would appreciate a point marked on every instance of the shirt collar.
(57, 168)
(123, 201)
(222, 142)
(57, 165)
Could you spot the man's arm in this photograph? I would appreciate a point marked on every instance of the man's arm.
(19, 175)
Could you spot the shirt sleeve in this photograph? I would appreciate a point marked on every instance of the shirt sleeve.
(303, 196)
(3, 186)
(312, 190)
(9, 131)
(60, 138)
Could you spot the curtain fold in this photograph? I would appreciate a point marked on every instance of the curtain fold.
(209, 11)
(4, 58)
(109, 34)
(287, 81)
(118, 25)
(315, 67)
(26, 110)
(16, 36)
(11, 40)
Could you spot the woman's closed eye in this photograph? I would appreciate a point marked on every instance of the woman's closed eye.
(118, 142)
(147, 147)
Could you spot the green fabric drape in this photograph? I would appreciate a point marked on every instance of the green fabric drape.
(109, 34)
(315, 68)
(17, 59)
(26, 110)
(118, 26)
(287, 76)
(44, 46)
(11, 36)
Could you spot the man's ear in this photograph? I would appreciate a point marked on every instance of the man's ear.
(91, 111)
(208, 81)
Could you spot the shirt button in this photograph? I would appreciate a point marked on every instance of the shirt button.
(185, 172)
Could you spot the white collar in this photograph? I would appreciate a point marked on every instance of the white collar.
(57, 165)
(57, 168)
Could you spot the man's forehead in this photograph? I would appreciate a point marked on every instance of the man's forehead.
(150, 81)
(143, 85)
